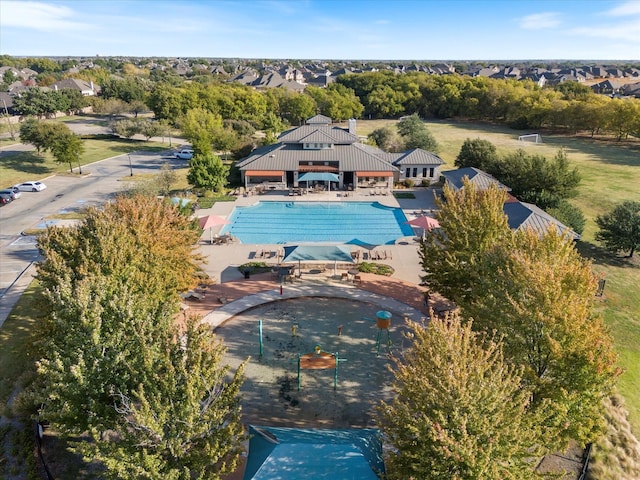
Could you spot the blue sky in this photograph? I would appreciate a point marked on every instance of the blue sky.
(325, 29)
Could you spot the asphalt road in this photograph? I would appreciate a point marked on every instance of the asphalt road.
(64, 193)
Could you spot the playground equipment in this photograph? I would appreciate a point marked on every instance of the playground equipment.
(383, 322)
(319, 360)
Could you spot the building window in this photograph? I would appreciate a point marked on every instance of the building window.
(424, 172)
(415, 172)
(408, 173)
(431, 172)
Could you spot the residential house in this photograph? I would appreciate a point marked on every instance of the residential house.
(319, 147)
(607, 87)
(87, 89)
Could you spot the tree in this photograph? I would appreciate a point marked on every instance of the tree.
(416, 135)
(568, 214)
(126, 127)
(619, 229)
(538, 293)
(149, 129)
(478, 153)
(201, 128)
(472, 222)
(535, 179)
(459, 410)
(386, 139)
(112, 357)
(184, 425)
(67, 148)
(208, 171)
(37, 102)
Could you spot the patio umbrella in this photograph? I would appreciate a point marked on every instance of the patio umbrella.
(425, 223)
(211, 221)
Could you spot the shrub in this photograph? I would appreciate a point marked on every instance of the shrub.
(408, 183)
(376, 268)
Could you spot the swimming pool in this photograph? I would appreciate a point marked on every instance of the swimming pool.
(323, 222)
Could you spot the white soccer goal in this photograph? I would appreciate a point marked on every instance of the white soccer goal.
(530, 138)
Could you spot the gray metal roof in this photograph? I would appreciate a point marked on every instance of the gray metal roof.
(522, 215)
(337, 135)
(319, 119)
(354, 157)
(481, 179)
(417, 156)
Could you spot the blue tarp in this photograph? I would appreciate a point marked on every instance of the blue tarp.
(292, 453)
(318, 177)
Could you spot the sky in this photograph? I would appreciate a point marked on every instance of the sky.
(324, 29)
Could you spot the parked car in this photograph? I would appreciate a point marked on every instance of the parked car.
(30, 186)
(185, 154)
(11, 192)
(5, 198)
(16, 190)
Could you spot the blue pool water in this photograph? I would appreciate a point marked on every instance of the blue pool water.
(325, 222)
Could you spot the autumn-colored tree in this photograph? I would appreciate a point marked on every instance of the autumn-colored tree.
(459, 410)
(472, 222)
(538, 293)
(113, 359)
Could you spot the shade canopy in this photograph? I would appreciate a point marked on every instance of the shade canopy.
(424, 222)
(318, 177)
(317, 253)
(291, 453)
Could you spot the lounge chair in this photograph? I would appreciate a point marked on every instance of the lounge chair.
(344, 276)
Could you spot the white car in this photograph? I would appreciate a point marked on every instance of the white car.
(30, 186)
(185, 154)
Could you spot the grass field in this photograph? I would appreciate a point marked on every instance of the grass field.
(610, 174)
(24, 166)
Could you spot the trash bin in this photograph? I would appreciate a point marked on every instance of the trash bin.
(247, 274)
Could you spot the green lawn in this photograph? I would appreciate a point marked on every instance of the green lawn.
(25, 166)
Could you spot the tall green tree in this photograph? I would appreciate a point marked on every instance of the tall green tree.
(459, 409)
(201, 128)
(536, 179)
(478, 153)
(67, 147)
(208, 172)
(416, 134)
(537, 293)
(185, 425)
(619, 229)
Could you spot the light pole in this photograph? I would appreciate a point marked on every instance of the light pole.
(130, 166)
(79, 166)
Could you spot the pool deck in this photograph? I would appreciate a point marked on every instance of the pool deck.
(231, 293)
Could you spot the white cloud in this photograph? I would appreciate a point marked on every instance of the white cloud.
(625, 9)
(628, 31)
(539, 21)
(39, 16)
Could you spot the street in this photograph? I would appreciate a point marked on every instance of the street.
(64, 193)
